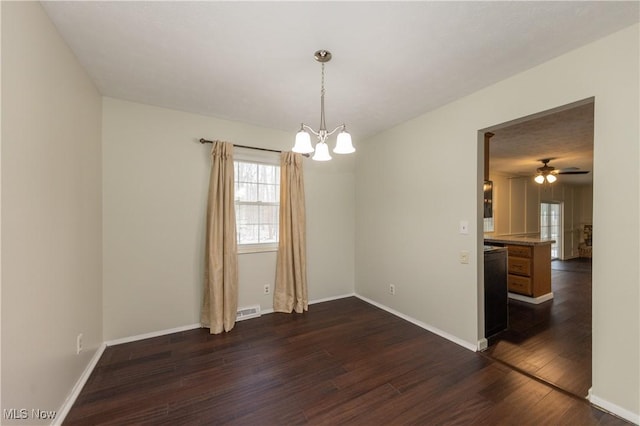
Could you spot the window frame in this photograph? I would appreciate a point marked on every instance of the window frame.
(256, 157)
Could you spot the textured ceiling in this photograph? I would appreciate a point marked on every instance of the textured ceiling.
(253, 61)
(565, 136)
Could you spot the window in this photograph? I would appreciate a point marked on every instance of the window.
(551, 226)
(257, 203)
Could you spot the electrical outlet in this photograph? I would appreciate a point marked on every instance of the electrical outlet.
(79, 344)
(267, 289)
(392, 289)
(464, 256)
(463, 228)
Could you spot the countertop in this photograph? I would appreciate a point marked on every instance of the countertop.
(523, 241)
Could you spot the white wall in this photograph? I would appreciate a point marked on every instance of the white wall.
(415, 182)
(155, 178)
(51, 213)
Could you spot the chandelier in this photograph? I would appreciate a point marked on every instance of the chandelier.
(303, 139)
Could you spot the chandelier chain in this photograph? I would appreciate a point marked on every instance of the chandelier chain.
(323, 126)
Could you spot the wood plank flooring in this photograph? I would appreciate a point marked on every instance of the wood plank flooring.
(552, 340)
(343, 362)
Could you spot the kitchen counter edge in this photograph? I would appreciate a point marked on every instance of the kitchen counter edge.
(522, 241)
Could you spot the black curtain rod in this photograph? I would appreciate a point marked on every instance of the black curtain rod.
(203, 140)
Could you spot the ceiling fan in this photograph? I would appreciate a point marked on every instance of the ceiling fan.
(548, 173)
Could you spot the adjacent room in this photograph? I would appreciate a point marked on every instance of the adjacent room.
(350, 286)
(546, 334)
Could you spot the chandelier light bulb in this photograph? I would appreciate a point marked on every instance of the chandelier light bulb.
(343, 144)
(539, 179)
(551, 178)
(322, 152)
(303, 143)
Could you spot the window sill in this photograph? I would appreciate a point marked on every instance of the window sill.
(263, 248)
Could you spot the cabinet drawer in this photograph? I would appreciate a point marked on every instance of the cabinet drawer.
(519, 265)
(518, 284)
(519, 251)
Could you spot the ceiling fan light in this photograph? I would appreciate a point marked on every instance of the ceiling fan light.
(551, 178)
(303, 143)
(322, 152)
(343, 144)
(539, 179)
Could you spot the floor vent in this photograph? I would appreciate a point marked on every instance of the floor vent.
(248, 312)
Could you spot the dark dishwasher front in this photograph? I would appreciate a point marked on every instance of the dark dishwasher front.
(496, 297)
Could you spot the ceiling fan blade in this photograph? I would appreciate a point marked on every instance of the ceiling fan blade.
(572, 172)
(547, 169)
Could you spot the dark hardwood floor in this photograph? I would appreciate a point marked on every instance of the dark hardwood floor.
(552, 340)
(343, 362)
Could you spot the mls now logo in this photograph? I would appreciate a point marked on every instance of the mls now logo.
(24, 414)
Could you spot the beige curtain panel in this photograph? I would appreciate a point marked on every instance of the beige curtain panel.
(220, 298)
(290, 292)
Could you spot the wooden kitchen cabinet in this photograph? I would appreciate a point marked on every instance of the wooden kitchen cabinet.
(529, 269)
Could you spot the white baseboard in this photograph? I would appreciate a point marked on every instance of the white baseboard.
(152, 334)
(483, 344)
(329, 299)
(533, 300)
(71, 399)
(434, 330)
(311, 302)
(613, 408)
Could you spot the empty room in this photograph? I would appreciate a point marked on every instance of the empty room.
(277, 212)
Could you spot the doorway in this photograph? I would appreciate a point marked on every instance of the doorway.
(550, 340)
